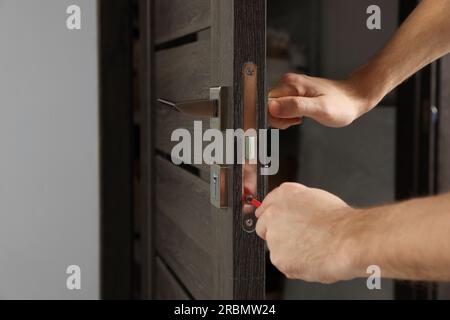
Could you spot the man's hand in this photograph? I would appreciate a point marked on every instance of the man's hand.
(422, 38)
(314, 236)
(331, 103)
(305, 233)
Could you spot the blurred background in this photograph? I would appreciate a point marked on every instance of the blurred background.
(357, 163)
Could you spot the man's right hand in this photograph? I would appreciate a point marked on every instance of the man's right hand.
(329, 102)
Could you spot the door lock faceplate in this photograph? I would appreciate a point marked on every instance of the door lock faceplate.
(219, 186)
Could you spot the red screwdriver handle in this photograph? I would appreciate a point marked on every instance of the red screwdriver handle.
(251, 200)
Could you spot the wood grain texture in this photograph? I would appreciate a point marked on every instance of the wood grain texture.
(168, 120)
(183, 73)
(222, 57)
(212, 257)
(184, 202)
(116, 149)
(249, 46)
(176, 18)
(192, 265)
(167, 286)
(184, 227)
(240, 257)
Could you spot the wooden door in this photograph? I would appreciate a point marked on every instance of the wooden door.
(196, 250)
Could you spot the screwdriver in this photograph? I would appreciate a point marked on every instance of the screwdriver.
(251, 200)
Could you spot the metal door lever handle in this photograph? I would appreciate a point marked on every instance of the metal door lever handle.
(214, 108)
(194, 108)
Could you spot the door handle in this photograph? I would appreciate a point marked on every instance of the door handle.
(214, 108)
(194, 108)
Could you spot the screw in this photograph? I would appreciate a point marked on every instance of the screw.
(249, 223)
(250, 71)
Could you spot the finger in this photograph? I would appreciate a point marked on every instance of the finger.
(294, 107)
(283, 90)
(279, 123)
(261, 228)
(291, 84)
(267, 202)
(259, 212)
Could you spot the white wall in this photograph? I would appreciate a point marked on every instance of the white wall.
(49, 150)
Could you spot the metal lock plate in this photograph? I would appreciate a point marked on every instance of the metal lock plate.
(250, 167)
(219, 186)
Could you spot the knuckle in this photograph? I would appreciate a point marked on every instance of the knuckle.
(320, 104)
(285, 186)
(288, 187)
(290, 78)
(325, 110)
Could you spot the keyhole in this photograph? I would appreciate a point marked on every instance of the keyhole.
(215, 185)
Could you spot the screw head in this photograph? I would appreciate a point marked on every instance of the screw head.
(249, 223)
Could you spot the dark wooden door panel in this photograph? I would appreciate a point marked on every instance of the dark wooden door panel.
(184, 227)
(204, 249)
(249, 45)
(169, 120)
(183, 197)
(183, 73)
(176, 18)
(167, 286)
(192, 265)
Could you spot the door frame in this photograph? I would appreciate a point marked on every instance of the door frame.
(116, 149)
(147, 102)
